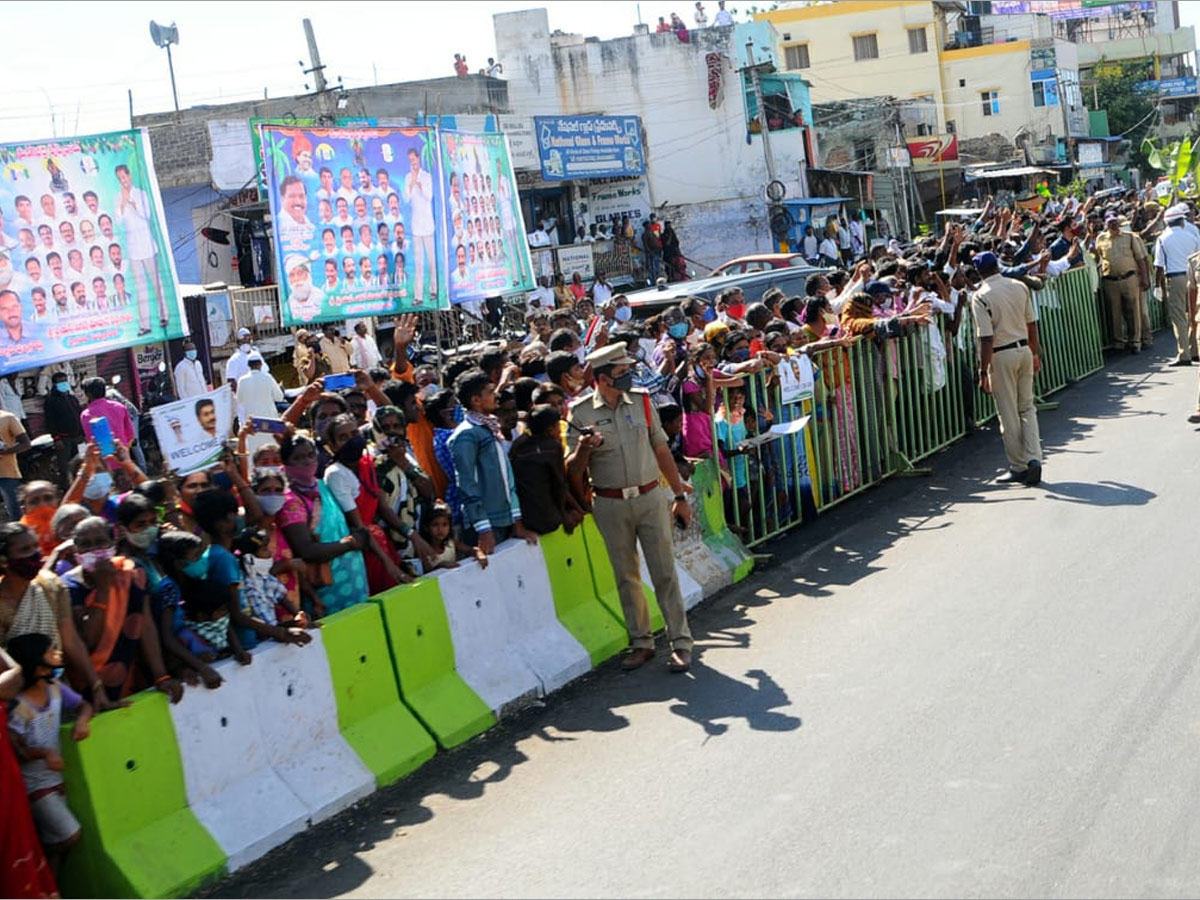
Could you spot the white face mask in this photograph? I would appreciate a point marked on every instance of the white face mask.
(623, 314)
(245, 348)
(581, 354)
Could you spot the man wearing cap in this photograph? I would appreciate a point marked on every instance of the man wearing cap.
(239, 363)
(1124, 274)
(1006, 325)
(622, 453)
(1171, 252)
(257, 394)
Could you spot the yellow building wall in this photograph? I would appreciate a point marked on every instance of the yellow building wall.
(836, 75)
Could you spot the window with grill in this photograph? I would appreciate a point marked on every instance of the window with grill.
(917, 42)
(991, 103)
(796, 56)
(866, 46)
(864, 155)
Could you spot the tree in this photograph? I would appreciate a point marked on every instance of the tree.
(1130, 111)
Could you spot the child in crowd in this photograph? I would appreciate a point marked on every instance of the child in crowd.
(36, 716)
(671, 417)
(265, 593)
(446, 549)
(216, 513)
(732, 431)
(186, 652)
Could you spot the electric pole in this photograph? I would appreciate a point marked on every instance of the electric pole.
(317, 70)
(752, 67)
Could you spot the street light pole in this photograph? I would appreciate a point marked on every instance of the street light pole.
(171, 67)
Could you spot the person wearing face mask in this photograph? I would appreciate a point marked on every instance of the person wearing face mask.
(731, 307)
(265, 592)
(618, 445)
(109, 594)
(239, 363)
(189, 373)
(33, 600)
(398, 483)
(343, 477)
(315, 530)
(62, 413)
(39, 500)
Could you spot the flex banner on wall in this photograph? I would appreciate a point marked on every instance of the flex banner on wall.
(358, 220)
(85, 265)
(487, 254)
(192, 432)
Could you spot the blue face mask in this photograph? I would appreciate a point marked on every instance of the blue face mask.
(197, 568)
(191, 354)
(98, 486)
(62, 387)
(740, 355)
(709, 314)
(678, 331)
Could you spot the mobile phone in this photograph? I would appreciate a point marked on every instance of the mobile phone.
(270, 426)
(102, 433)
(339, 382)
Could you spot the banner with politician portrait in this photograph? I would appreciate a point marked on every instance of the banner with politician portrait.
(356, 216)
(487, 253)
(85, 264)
(191, 433)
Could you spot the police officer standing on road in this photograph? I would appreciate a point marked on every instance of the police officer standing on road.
(1125, 274)
(623, 451)
(1006, 324)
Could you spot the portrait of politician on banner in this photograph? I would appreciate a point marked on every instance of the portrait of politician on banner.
(356, 216)
(192, 432)
(487, 253)
(85, 266)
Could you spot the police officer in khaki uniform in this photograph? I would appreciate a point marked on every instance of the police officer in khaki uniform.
(617, 440)
(1125, 276)
(1193, 290)
(1006, 324)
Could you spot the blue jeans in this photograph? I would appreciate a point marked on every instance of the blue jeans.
(8, 487)
(654, 261)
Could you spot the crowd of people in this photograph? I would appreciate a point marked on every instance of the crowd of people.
(107, 585)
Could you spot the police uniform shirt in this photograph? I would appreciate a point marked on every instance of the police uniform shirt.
(1119, 255)
(626, 457)
(1003, 309)
(1193, 276)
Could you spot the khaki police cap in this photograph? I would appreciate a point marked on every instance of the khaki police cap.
(611, 355)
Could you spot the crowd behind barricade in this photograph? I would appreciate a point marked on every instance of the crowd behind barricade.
(128, 580)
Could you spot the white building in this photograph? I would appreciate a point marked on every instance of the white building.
(705, 168)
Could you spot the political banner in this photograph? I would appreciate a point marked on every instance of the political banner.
(191, 433)
(357, 235)
(85, 265)
(487, 254)
(256, 142)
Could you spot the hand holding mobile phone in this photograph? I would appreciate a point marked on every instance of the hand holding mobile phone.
(269, 426)
(339, 382)
(102, 432)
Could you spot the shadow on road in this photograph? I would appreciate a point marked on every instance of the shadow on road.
(839, 548)
(1104, 493)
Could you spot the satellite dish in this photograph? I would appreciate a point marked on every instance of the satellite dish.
(162, 35)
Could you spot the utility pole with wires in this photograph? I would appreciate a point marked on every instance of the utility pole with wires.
(753, 68)
(317, 70)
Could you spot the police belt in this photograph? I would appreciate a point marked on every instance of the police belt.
(628, 493)
(1119, 277)
(1014, 344)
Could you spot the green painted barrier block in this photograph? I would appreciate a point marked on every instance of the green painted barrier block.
(371, 717)
(125, 785)
(604, 581)
(576, 602)
(720, 539)
(423, 656)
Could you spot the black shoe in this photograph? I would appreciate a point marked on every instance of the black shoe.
(1033, 475)
(1135, 349)
(1179, 362)
(1011, 477)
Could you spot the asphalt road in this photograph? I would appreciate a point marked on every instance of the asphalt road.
(942, 688)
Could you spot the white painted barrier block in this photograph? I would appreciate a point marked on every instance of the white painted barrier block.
(298, 717)
(484, 654)
(231, 786)
(688, 586)
(519, 573)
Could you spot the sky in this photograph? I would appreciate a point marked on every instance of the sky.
(233, 50)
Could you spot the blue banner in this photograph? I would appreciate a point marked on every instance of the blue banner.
(487, 250)
(357, 218)
(589, 146)
(85, 262)
(1169, 87)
